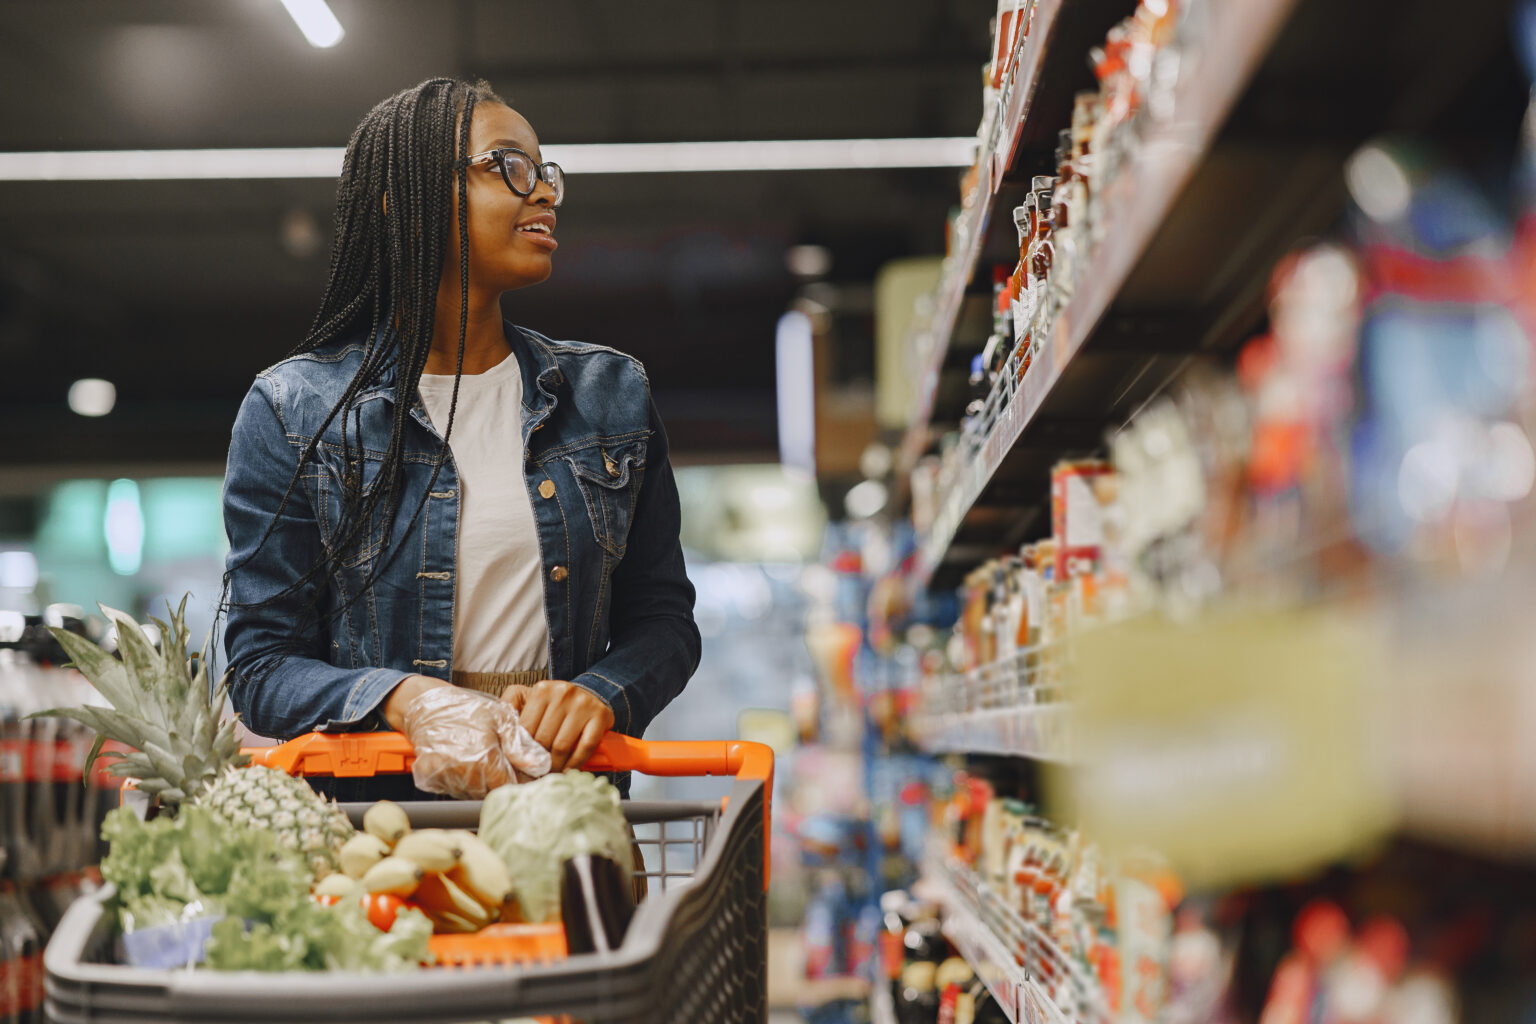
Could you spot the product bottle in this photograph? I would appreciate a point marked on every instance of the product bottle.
(10, 971)
(1025, 219)
(1041, 257)
(42, 750)
(15, 705)
(25, 942)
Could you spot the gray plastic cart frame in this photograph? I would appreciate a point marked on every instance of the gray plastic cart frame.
(695, 953)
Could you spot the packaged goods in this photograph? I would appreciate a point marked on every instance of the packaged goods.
(1077, 516)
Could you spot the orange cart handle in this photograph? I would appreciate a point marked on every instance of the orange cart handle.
(365, 754)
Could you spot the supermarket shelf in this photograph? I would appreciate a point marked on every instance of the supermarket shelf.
(1036, 731)
(1134, 206)
(993, 159)
(1010, 707)
(1032, 979)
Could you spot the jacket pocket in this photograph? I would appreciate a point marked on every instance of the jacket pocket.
(609, 478)
(335, 477)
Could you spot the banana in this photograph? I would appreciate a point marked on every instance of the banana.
(481, 872)
(432, 848)
(395, 875)
(386, 819)
(449, 923)
(438, 895)
(337, 885)
(360, 853)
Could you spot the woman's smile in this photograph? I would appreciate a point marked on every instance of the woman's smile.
(540, 230)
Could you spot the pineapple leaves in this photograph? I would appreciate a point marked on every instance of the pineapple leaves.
(139, 656)
(100, 669)
(102, 721)
(90, 758)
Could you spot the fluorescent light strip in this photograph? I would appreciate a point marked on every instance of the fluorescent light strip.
(603, 158)
(316, 21)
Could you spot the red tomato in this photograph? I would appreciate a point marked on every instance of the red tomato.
(381, 908)
(327, 901)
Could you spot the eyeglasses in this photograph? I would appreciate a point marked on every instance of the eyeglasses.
(521, 172)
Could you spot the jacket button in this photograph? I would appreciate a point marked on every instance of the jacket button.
(610, 466)
(547, 489)
(559, 573)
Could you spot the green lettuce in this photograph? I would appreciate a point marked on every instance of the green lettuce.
(172, 869)
(536, 827)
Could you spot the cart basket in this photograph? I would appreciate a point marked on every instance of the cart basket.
(696, 950)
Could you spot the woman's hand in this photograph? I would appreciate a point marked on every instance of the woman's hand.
(565, 719)
(468, 743)
(401, 696)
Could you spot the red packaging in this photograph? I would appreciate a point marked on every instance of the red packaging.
(1076, 517)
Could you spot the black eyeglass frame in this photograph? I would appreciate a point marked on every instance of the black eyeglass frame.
(542, 171)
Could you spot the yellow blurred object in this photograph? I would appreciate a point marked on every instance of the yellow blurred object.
(1244, 748)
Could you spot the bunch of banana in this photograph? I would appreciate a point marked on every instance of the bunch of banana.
(451, 876)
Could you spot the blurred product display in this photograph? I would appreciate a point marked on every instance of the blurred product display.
(49, 817)
(1237, 624)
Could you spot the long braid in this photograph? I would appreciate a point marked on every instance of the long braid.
(385, 266)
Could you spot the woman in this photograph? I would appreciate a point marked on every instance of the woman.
(426, 504)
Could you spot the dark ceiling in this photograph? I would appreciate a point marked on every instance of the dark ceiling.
(180, 292)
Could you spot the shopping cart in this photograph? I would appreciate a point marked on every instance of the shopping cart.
(695, 952)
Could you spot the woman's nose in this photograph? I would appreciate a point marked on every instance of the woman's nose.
(543, 194)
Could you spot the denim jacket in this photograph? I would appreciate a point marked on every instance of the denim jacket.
(618, 601)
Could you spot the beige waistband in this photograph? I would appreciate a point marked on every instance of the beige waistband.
(494, 683)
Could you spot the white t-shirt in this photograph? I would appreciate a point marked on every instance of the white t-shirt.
(498, 597)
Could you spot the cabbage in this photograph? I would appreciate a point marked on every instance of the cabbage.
(537, 826)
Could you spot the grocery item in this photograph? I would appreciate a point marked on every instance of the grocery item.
(534, 828)
(360, 853)
(386, 820)
(450, 907)
(1077, 517)
(195, 888)
(596, 904)
(169, 715)
(394, 875)
(481, 872)
(337, 885)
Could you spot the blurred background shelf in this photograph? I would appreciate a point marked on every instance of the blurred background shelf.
(1019, 963)
(1037, 731)
(1249, 162)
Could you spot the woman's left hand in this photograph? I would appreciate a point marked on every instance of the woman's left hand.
(567, 720)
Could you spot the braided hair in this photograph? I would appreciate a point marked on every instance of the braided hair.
(393, 214)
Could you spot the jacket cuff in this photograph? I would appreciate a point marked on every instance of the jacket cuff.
(363, 710)
(610, 693)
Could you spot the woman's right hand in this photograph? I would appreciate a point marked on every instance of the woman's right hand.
(467, 743)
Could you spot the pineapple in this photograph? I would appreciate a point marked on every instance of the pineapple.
(182, 752)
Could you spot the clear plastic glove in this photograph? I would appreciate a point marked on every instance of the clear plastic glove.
(468, 743)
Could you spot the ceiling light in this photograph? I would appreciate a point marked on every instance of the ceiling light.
(123, 526)
(92, 396)
(808, 260)
(601, 158)
(18, 570)
(316, 21)
(300, 234)
(795, 365)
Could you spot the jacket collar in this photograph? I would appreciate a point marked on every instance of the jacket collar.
(535, 359)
